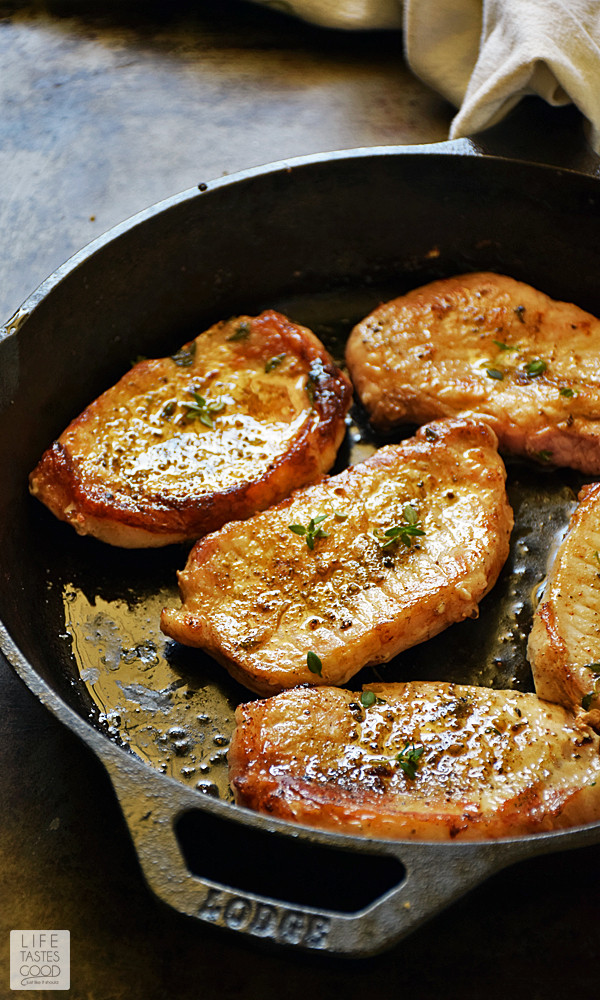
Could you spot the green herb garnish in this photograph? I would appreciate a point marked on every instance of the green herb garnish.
(369, 698)
(203, 409)
(185, 357)
(311, 531)
(587, 699)
(168, 409)
(505, 347)
(494, 373)
(405, 532)
(273, 362)
(536, 367)
(409, 758)
(313, 663)
(242, 332)
(543, 456)
(567, 393)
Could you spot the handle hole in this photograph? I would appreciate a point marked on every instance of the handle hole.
(283, 867)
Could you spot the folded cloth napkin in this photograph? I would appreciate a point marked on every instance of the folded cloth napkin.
(485, 55)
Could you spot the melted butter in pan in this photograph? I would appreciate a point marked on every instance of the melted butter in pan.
(178, 722)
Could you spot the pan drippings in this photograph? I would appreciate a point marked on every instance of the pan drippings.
(178, 721)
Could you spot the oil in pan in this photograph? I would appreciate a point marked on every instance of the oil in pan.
(173, 715)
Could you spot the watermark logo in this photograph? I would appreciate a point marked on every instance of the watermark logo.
(40, 960)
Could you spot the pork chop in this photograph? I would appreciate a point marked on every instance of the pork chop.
(485, 343)
(240, 416)
(564, 643)
(352, 570)
(432, 761)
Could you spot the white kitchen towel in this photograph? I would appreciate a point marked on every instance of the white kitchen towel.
(485, 55)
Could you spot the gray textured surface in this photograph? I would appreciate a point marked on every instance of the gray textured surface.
(101, 118)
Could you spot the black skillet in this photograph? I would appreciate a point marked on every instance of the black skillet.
(323, 238)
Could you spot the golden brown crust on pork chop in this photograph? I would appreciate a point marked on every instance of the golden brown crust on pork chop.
(240, 416)
(431, 761)
(259, 598)
(489, 344)
(564, 643)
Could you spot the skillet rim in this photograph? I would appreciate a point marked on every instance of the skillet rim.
(117, 759)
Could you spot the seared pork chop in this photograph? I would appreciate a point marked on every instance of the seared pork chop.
(352, 570)
(486, 343)
(239, 417)
(432, 761)
(564, 643)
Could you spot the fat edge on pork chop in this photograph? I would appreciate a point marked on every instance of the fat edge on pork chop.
(350, 571)
(231, 423)
(485, 343)
(564, 642)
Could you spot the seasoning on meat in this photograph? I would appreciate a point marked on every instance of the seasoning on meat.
(354, 569)
(231, 423)
(488, 344)
(430, 761)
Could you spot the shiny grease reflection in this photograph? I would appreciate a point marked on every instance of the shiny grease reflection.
(177, 721)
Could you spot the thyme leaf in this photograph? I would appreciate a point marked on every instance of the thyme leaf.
(494, 373)
(403, 532)
(536, 367)
(409, 758)
(168, 409)
(311, 532)
(185, 356)
(203, 409)
(313, 662)
(241, 332)
(273, 362)
(505, 347)
(369, 698)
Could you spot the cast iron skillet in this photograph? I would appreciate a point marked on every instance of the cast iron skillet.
(324, 238)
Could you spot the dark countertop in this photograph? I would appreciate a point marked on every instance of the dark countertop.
(102, 116)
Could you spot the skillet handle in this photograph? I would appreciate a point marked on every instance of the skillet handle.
(430, 876)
